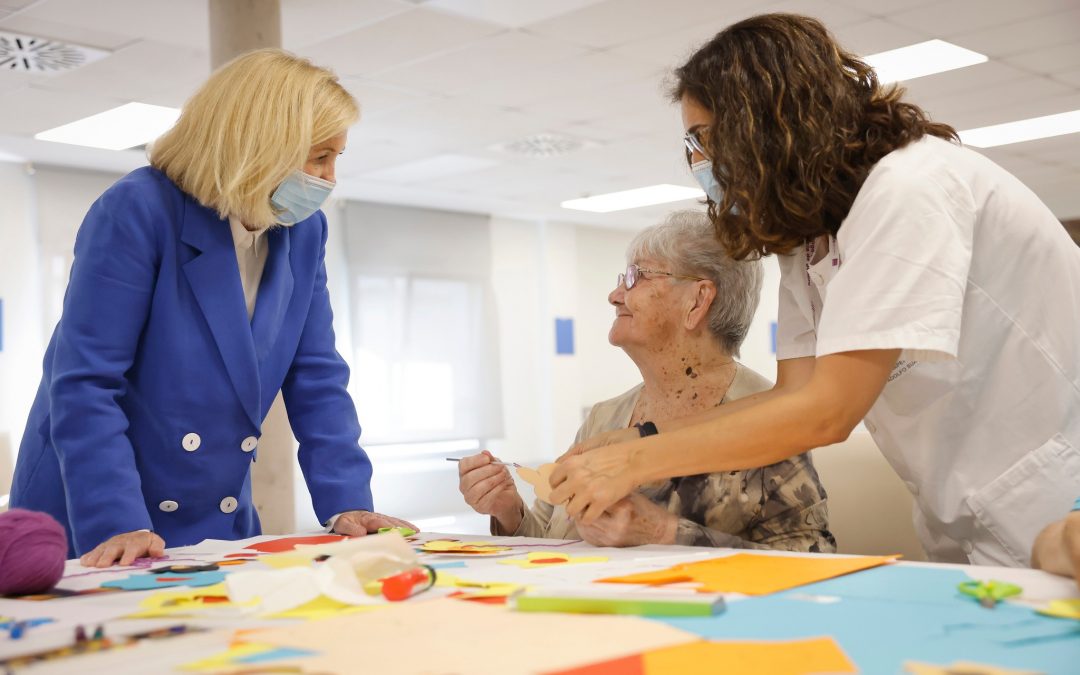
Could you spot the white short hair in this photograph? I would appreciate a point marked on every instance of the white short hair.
(687, 242)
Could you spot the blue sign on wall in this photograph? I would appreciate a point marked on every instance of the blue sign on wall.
(564, 336)
(772, 329)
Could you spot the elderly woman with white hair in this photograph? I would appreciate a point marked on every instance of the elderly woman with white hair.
(682, 310)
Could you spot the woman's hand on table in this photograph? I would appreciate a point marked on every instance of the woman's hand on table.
(125, 548)
(359, 523)
(590, 483)
(489, 489)
(631, 521)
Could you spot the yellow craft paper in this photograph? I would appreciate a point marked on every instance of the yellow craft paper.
(478, 589)
(321, 607)
(795, 657)
(539, 478)
(1062, 609)
(529, 562)
(965, 667)
(227, 659)
(441, 636)
(183, 602)
(754, 574)
(466, 547)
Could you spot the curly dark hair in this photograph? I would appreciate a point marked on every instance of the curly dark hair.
(798, 123)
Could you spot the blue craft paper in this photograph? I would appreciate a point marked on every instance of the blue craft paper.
(564, 336)
(880, 635)
(275, 655)
(146, 581)
(448, 565)
(893, 582)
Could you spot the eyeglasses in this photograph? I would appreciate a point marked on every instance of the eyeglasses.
(692, 141)
(634, 273)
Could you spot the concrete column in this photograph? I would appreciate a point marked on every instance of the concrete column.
(238, 26)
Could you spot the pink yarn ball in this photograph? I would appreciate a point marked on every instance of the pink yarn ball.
(33, 548)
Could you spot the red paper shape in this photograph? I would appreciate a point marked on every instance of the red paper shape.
(289, 543)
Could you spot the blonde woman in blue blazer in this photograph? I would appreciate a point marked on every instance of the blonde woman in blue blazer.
(198, 290)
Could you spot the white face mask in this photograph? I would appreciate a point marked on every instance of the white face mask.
(299, 196)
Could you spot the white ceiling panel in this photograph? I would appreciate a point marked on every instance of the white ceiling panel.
(304, 23)
(510, 14)
(28, 110)
(502, 56)
(65, 32)
(617, 22)
(1018, 37)
(14, 5)
(1065, 56)
(183, 22)
(379, 99)
(832, 14)
(927, 90)
(134, 73)
(886, 7)
(405, 37)
(1003, 107)
(958, 17)
(593, 71)
(877, 35)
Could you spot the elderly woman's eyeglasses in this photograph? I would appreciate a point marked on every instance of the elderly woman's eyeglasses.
(634, 273)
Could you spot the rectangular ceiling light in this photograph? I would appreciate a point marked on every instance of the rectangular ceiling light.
(128, 126)
(1023, 130)
(632, 199)
(919, 60)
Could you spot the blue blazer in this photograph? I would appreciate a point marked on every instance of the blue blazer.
(155, 383)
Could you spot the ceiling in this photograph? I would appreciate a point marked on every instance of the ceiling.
(442, 83)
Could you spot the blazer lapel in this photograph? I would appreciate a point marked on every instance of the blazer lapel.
(215, 280)
(272, 303)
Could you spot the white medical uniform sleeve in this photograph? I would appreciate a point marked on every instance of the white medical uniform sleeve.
(906, 250)
(795, 336)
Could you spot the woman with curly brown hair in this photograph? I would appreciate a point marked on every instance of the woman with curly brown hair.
(923, 288)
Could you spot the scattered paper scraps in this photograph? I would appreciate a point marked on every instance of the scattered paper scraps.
(962, 668)
(539, 478)
(478, 548)
(546, 559)
(149, 581)
(794, 657)
(1062, 609)
(437, 629)
(289, 543)
(493, 592)
(282, 590)
(753, 574)
(244, 654)
(61, 593)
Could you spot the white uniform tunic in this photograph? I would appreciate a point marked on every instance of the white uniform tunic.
(950, 258)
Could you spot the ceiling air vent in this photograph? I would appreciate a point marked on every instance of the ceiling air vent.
(29, 54)
(544, 145)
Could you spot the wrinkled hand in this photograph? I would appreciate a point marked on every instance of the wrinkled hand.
(631, 521)
(600, 440)
(125, 548)
(590, 483)
(489, 489)
(359, 523)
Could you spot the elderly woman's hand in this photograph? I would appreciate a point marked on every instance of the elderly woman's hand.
(600, 440)
(631, 521)
(360, 523)
(489, 489)
(590, 483)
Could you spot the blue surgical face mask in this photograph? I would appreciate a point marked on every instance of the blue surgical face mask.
(703, 174)
(299, 196)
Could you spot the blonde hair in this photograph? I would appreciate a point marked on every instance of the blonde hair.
(248, 127)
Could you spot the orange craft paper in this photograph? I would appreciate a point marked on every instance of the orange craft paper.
(789, 657)
(752, 573)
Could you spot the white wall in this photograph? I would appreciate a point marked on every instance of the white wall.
(20, 291)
